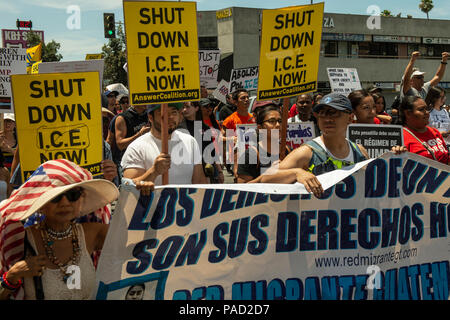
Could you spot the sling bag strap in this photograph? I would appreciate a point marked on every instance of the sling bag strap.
(426, 146)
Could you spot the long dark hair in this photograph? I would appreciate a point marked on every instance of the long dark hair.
(357, 96)
(434, 93)
(407, 103)
(377, 96)
(262, 113)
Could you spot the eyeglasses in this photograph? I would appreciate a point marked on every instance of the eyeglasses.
(330, 113)
(72, 195)
(273, 121)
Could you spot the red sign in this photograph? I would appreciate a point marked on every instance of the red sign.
(13, 38)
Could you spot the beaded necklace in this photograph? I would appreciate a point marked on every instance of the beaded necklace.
(48, 244)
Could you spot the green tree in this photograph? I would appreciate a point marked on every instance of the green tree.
(49, 50)
(425, 6)
(114, 54)
(386, 13)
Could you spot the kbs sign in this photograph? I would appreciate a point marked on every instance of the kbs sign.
(18, 38)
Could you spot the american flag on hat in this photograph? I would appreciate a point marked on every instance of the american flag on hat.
(49, 175)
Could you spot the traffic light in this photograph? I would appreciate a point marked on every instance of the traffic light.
(109, 25)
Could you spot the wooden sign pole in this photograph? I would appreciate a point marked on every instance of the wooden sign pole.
(283, 133)
(165, 137)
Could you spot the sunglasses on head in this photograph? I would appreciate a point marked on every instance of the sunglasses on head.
(72, 195)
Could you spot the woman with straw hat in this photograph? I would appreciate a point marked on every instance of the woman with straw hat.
(37, 262)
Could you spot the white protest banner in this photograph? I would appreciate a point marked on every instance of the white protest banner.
(74, 66)
(12, 61)
(221, 91)
(209, 67)
(246, 78)
(377, 139)
(343, 80)
(380, 231)
(299, 133)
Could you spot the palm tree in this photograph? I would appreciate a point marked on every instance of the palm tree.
(425, 6)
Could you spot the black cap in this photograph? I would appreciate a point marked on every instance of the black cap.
(335, 100)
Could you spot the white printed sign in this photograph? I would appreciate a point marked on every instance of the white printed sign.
(299, 133)
(73, 66)
(246, 78)
(221, 91)
(343, 80)
(12, 61)
(209, 67)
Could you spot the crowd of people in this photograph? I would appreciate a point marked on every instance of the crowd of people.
(59, 216)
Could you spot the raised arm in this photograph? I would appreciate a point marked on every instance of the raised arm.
(441, 70)
(408, 71)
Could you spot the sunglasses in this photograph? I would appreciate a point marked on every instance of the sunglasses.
(72, 195)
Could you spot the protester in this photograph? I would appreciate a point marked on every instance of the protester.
(303, 109)
(215, 173)
(227, 109)
(413, 79)
(193, 121)
(128, 126)
(256, 160)
(418, 137)
(439, 117)
(317, 96)
(363, 107)
(112, 100)
(107, 117)
(143, 160)
(124, 102)
(325, 153)
(380, 107)
(5, 176)
(61, 191)
(8, 138)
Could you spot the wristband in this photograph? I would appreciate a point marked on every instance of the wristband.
(5, 284)
(442, 62)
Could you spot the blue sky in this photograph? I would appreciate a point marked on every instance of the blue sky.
(51, 16)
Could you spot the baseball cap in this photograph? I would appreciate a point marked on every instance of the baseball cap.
(260, 104)
(204, 102)
(374, 89)
(9, 116)
(417, 73)
(152, 107)
(108, 92)
(336, 101)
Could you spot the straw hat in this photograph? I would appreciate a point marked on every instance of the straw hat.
(51, 179)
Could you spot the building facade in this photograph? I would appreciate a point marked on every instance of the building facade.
(378, 48)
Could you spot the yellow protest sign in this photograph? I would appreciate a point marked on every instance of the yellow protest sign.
(35, 67)
(58, 116)
(290, 47)
(162, 51)
(93, 56)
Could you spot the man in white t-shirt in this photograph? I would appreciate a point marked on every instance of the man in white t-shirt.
(413, 83)
(144, 161)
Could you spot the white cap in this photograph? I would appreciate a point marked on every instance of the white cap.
(417, 73)
(9, 116)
